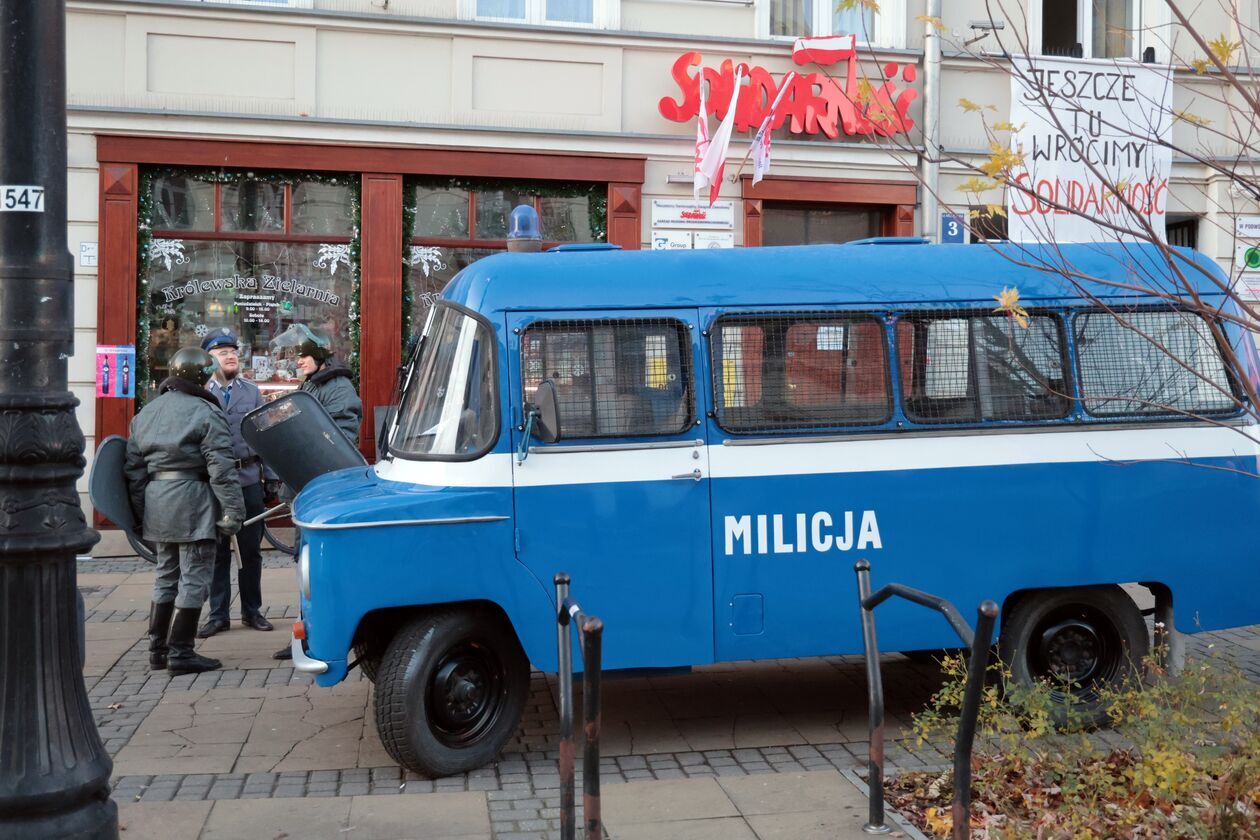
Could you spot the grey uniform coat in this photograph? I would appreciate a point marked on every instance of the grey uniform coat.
(331, 385)
(182, 430)
(245, 398)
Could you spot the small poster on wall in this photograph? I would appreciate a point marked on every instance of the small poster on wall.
(115, 371)
(714, 239)
(671, 240)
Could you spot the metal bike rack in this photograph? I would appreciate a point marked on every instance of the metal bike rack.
(591, 632)
(979, 642)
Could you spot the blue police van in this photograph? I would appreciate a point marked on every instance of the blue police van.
(707, 441)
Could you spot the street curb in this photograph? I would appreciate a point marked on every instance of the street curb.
(895, 816)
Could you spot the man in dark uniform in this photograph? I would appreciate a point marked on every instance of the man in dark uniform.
(181, 476)
(239, 397)
(330, 384)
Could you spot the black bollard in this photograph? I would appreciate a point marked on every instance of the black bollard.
(592, 654)
(977, 664)
(875, 706)
(564, 649)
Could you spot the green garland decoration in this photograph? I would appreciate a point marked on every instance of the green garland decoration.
(408, 290)
(144, 238)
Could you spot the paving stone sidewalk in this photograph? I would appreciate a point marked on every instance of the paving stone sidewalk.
(201, 748)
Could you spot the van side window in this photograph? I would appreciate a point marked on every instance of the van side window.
(799, 371)
(623, 378)
(1150, 362)
(962, 368)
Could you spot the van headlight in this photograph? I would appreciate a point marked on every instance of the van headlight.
(304, 570)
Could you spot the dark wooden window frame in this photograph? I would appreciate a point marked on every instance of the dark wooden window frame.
(382, 169)
(897, 198)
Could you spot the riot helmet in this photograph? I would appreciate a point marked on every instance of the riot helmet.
(192, 364)
(304, 342)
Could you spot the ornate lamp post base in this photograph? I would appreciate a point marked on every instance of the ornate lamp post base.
(54, 772)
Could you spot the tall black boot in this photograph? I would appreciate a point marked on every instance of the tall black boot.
(182, 658)
(159, 629)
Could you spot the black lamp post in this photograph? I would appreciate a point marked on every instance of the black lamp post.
(54, 773)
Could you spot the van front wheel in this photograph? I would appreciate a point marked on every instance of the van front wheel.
(1079, 643)
(450, 691)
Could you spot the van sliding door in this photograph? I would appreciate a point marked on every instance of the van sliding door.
(621, 502)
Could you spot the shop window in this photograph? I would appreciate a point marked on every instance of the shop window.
(256, 254)
(964, 369)
(813, 224)
(805, 18)
(252, 206)
(457, 221)
(1087, 28)
(800, 372)
(600, 14)
(1183, 232)
(986, 226)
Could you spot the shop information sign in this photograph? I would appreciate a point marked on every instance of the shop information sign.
(115, 370)
(685, 213)
(1247, 247)
(1104, 118)
(671, 240)
(714, 239)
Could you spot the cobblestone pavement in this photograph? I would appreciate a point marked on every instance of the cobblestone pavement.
(258, 730)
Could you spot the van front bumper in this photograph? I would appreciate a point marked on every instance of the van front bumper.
(304, 663)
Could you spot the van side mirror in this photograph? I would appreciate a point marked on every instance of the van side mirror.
(546, 408)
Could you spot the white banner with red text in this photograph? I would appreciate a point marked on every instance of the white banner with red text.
(1092, 133)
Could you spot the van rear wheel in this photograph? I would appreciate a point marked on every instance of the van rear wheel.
(450, 691)
(1080, 643)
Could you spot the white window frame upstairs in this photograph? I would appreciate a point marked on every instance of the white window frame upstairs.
(890, 24)
(275, 4)
(605, 14)
(1148, 25)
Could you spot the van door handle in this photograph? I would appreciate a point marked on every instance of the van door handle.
(695, 475)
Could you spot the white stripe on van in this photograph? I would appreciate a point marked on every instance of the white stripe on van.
(847, 456)
(985, 450)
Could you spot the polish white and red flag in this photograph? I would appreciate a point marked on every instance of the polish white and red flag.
(702, 143)
(824, 50)
(761, 141)
(713, 163)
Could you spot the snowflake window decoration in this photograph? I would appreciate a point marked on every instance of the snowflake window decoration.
(201, 330)
(429, 259)
(169, 251)
(332, 255)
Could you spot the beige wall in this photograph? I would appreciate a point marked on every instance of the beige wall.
(82, 211)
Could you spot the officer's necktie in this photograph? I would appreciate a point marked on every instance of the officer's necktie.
(227, 396)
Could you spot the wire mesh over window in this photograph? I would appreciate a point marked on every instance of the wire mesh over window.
(799, 371)
(962, 368)
(1150, 362)
(614, 378)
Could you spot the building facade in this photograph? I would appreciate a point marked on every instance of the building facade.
(257, 164)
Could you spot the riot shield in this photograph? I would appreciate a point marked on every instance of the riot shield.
(107, 488)
(298, 439)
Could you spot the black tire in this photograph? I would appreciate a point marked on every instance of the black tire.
(450, 691)
(279, 544)
(1081, 641)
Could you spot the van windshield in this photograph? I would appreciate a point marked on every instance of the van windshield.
(449, 405)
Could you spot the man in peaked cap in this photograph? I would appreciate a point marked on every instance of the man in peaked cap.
(238, 397)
